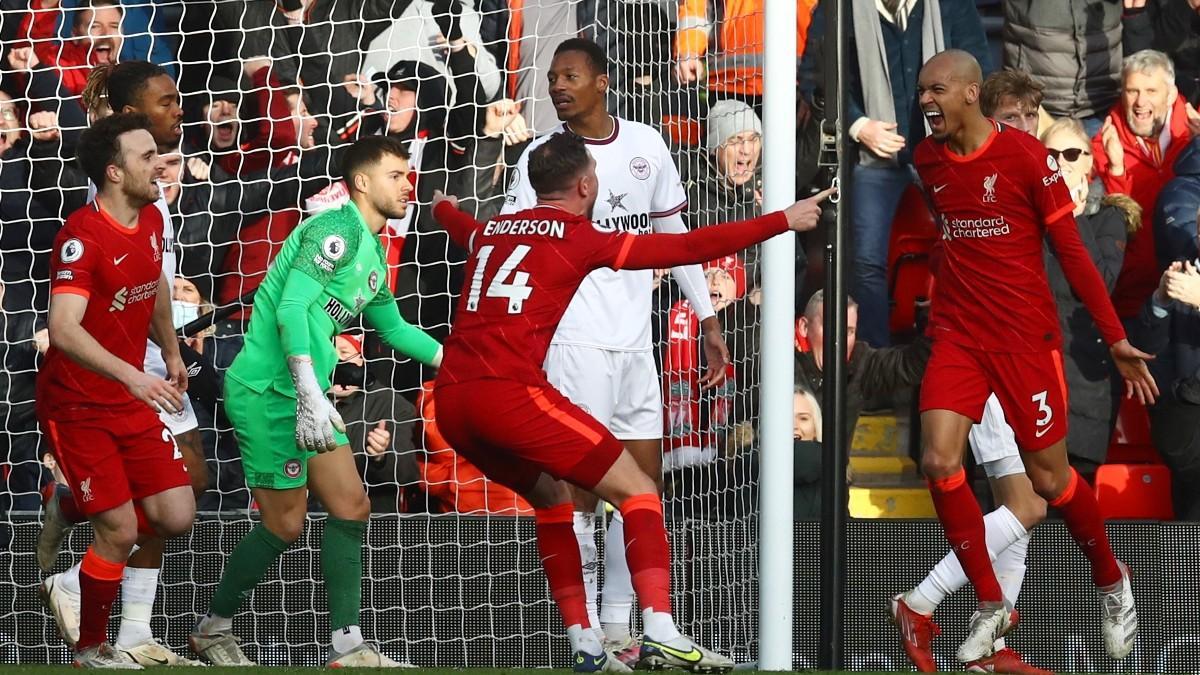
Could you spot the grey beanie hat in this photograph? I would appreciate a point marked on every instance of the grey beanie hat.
(729, 118)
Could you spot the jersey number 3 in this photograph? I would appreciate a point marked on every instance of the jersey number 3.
(517, 289)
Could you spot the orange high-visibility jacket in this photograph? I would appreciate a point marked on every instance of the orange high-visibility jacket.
(730, 35)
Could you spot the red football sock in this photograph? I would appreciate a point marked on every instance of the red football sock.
(99, 581)
(646, 551)
(561, 562)
(1082, 515)
(963, 522)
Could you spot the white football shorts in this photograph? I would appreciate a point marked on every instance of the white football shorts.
(620, 389)
(993, 443)
(176, 423)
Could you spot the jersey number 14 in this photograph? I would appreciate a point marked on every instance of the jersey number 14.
(516, 290)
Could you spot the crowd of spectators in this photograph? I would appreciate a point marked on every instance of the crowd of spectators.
(270, 92)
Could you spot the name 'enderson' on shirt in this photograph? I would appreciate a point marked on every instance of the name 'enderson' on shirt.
(545, 228)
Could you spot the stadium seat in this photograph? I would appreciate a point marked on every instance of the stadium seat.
(1131, 442)
(909, 278)
(1134, 491)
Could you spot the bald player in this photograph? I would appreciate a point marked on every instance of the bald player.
(996, 193)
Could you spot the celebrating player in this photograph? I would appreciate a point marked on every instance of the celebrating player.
(1012, 98)
(330, 270)
(601, 356)
(136, 87)
(94, 400)
(995, 329)
(496, 406)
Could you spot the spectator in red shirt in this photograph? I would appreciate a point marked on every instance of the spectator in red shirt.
(1135, 154)
(95, 38)
(284, 128)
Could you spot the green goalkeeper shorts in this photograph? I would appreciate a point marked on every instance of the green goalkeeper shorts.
(265, 425)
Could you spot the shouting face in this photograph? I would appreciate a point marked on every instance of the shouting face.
(1147, 98)
(947, 89)
(737, 158)
(101, 27)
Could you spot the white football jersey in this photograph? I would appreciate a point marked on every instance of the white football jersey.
(638, 182)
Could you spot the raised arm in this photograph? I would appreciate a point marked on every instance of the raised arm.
(649, 251)
(460, 226)
(404, 337)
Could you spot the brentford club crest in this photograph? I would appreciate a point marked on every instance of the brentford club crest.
(373, 281)
(640, 168)
(291, 468)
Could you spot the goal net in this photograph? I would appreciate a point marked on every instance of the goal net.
(270, 92)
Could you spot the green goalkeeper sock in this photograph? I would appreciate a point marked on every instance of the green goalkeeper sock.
(341, 562)
(245, 568)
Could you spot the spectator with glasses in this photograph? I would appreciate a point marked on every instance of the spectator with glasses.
(1104, 222)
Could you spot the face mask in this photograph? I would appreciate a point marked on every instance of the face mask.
(351, 375)
(184, 312)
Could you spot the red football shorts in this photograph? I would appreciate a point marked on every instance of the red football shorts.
(514, 432)
(1030, 386)
(108, 461)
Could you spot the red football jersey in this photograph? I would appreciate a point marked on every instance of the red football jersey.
(506, 316)
(117, 269)
(994, 208)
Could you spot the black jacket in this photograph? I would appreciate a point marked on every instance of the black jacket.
(870, 373)
(1087, 364)
(1172, 27)
(1173, 336)
(384, 474)
(28, 229)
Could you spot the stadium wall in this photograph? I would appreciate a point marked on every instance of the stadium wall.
(434, 601)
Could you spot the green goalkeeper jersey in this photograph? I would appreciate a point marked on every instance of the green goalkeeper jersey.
(330, 270)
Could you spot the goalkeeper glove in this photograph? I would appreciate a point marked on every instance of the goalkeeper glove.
(316, 417)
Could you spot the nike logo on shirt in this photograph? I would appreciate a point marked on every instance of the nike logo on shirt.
(938, 188)
(1042, 432)
(117, 261)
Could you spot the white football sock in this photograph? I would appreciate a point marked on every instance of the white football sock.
(585, 534)
(617, 596)
(211, 624)
(345, 639)
(69, 580)
(1010, 569)
(660, 626)
(584, 640)
(1002, 530)
(138, 588)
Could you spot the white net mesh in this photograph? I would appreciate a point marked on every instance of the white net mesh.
(269, 94)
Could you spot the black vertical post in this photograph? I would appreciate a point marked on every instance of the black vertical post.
(835, 502)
